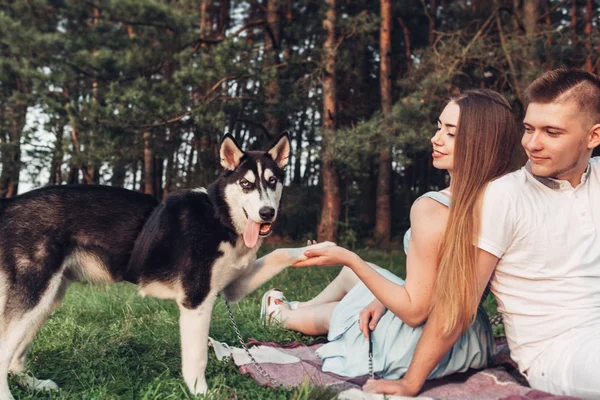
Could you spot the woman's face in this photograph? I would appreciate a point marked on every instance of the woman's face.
(443, 140)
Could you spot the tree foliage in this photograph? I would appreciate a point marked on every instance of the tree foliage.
(138, 93)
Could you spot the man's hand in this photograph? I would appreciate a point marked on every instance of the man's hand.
(370, 316)
(326, 256)
(400, 387)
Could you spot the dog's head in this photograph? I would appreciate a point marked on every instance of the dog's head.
(253, 182)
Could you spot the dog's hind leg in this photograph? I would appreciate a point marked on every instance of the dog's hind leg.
(17, 321)
(18, 363)
(194, 325)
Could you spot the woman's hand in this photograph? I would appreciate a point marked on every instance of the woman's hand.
(400, 387)
(334, 255)
(370, 316)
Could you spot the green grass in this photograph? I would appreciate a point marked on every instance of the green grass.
(106, 342)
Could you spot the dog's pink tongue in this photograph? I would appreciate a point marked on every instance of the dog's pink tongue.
(251, 233)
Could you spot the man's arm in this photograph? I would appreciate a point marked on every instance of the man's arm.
(432, 345)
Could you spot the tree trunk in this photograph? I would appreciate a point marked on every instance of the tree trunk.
(431, 16)
(367, 187)
(289, 20)
(158, 176)
(297, 178)
(73, 177)
(548, 21)
(189, 173)
(223, 17)
(172, 151)
(205, 19)
(517, 7)
(142, 163)
(118, 177)
(11, 155)
(330, 211)
(57, 158)
(383, 215)
(93, 166)
(134, 172)
(206, 160)
(531, 15)
(513, 74)
(149, 176)
(272, 89)
(574, 21)
(407, 45)
(87, 178)
(589, 10)
(310, 151)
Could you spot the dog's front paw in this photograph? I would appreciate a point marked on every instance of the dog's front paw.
(31, 382)
(199, 387)
(321, 245)
(46, 385)
(296, 255)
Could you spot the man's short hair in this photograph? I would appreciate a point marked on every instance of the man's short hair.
(562, 85)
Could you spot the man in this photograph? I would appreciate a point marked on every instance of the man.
(540, 245)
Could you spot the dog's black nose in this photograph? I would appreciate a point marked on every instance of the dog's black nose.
(266, 213)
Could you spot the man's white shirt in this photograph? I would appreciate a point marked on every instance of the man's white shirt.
(547, 236)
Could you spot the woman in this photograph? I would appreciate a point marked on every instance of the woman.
(476, 141)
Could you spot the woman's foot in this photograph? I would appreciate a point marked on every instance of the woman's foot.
(271, 306)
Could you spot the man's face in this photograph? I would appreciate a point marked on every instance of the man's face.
(556, 140)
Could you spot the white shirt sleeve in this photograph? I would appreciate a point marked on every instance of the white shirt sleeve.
(497, 219)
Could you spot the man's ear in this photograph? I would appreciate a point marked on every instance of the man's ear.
(230, 153)
(280, 151)
(594, 137)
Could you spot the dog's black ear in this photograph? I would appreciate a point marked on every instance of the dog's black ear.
(230, 153)
(280, 151)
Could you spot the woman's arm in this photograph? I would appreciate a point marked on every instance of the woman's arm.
(432, 345)
(410, 302)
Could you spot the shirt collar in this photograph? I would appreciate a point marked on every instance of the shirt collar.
(556, 184)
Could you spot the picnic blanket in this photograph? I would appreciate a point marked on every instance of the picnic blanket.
(292, 364)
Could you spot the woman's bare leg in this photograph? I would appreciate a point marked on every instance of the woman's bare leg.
(335, 291)
(310, 320)
(312, 317)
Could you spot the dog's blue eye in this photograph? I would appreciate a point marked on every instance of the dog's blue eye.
(272, 180)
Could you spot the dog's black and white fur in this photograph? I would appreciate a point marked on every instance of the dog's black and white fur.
(195, 245)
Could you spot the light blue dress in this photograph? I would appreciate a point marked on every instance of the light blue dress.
(394, 342)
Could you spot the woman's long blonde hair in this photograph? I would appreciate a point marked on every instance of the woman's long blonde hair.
(486, 147)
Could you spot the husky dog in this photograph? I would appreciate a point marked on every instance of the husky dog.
(195, 245)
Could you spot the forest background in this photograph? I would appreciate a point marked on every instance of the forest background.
(138, 93)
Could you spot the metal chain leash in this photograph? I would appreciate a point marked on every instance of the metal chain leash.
(260, 369)
(371, 372)
(496, 320)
